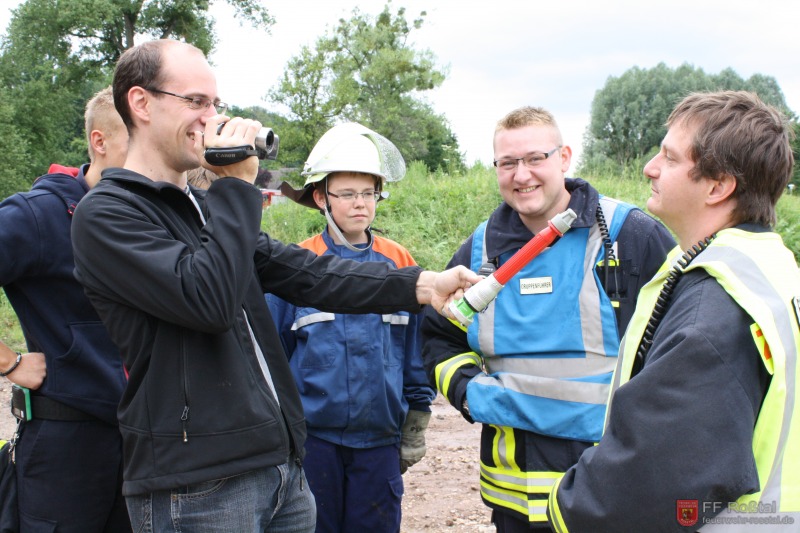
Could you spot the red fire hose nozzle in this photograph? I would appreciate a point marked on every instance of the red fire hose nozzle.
(480, 295)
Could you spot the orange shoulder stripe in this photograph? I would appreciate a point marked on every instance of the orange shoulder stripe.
(394, 251)
(316, 244)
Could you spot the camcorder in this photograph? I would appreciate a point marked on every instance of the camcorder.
(266, 147)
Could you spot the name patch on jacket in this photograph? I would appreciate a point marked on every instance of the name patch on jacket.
(536, 285)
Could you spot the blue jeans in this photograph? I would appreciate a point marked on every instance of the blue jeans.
(275, 499)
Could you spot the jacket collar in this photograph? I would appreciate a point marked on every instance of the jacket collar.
(342, 251)
(123, 175)
(81, 177)
(168, 192)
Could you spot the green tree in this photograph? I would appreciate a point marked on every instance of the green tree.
(304, 91)
(57, 53)
(14, 155)
(279, 124)
(629, 112)
(99, 31)
(365, 71)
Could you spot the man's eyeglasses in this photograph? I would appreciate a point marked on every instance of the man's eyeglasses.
(347, 196)
(510, 164)
(195, 102)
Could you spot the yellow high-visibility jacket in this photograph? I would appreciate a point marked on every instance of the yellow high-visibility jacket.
(707, 433)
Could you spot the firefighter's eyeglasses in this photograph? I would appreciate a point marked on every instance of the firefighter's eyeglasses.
(510, 164)
(350, 196)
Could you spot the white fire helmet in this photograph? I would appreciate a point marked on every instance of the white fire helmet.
(351, 147)
(348, 147)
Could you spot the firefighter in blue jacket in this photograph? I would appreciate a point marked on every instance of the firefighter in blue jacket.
(69, 456)
(703, 430)
(365, 394)
(535, 367)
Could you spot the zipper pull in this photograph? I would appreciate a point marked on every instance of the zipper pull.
(184, 418)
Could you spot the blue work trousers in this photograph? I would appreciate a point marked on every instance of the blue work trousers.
(69, 478)
(355, 489)
(273, 499)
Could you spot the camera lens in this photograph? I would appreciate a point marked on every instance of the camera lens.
(267, 143)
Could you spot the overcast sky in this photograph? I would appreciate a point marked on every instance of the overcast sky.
(502, 54)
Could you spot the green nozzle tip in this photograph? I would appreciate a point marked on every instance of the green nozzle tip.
(465, 309)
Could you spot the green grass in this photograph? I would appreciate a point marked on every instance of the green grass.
(10, 332)
(432, 214)
(788, 225)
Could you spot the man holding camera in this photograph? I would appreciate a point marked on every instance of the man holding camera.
(212, 423)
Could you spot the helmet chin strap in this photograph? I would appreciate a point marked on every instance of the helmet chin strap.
(336, 231)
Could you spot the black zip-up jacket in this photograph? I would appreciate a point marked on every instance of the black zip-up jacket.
(174, 294)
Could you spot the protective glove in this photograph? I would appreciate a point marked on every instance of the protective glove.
(412, 441)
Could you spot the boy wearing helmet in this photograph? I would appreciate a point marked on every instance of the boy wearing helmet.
(365, 394)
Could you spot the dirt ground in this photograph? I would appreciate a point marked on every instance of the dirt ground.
(7, 422)
(441, 491)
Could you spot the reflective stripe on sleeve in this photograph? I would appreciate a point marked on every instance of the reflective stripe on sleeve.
(446, 369)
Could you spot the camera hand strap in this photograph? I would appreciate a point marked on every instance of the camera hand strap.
(227, 156)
